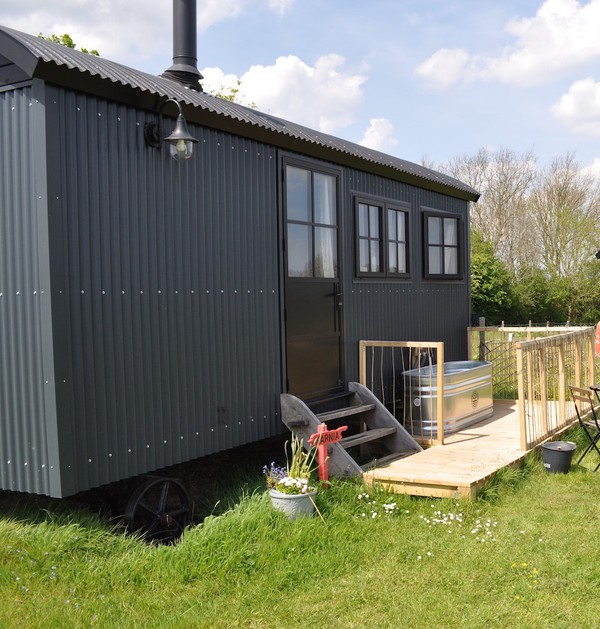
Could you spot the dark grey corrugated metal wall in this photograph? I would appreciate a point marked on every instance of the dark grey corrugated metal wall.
(415, 309)
(167, 275)
(28, 452)
(166, 339)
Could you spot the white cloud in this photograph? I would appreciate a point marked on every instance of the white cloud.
(212, 11)
(593, 170)
(323, 96)
(579, 108)
(444, 67)
(380, 135)
(562, 35)
(281, 5)
(122, 31)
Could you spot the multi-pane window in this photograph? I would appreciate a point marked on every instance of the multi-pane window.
(311, 202)
(382, 241)
(442, 238)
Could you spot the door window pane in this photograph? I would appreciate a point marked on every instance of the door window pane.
(299, 247)
(298, 194)
(325, 252)
(324, 196)
(312, 223)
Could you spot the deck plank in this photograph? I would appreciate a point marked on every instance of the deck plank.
(463, 464)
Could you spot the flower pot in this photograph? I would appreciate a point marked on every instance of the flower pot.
(293, 505)
(557, 456)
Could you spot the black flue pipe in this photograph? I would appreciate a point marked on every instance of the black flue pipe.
(185, 56)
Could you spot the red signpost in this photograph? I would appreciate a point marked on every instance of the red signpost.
(320, 440)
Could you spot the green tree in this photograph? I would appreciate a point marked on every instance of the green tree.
(67, 40)
(491, 283)
(233, 95)
(565, 207)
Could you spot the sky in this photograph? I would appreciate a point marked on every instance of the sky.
(419, 79)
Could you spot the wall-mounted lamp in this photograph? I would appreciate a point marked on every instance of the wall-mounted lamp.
(180, 141)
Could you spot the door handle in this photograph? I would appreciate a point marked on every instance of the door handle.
(338, 296)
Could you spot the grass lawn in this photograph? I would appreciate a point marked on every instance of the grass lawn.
(523, 555)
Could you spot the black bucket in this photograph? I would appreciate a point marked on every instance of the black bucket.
(557, 456)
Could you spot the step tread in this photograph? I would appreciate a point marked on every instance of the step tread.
(345, 412)
(329, 399)
(366, 436)
(395, 456)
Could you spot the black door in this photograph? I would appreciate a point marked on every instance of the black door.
(313, 300)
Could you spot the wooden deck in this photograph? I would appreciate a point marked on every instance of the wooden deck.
(460, 467)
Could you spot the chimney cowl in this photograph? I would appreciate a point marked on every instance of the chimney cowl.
(185, 57)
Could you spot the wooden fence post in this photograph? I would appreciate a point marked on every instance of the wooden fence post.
(577, 362)
(543, 389)
(521, 400)
(591, 344)
(482, 345)
(440, 393)
(362, 365)
(562, 385)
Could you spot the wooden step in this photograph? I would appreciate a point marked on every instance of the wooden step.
(366, 436)
(345, 412)
(381, 461)
(329, 399)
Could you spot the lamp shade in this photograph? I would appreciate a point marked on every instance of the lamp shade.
(182, 143)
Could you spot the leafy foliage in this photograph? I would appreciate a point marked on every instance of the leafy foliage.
(67, 40)
(534, 232)
(491, 283)
(233, 95)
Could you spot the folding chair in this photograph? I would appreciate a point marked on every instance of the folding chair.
(588, 419)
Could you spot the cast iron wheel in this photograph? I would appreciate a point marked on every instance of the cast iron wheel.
(158, 510)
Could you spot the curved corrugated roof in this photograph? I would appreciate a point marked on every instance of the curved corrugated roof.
(41, 58)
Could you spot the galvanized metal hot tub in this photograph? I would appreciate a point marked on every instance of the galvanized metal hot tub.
(467, 397)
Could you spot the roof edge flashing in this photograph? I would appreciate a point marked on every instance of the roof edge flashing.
(16, 52)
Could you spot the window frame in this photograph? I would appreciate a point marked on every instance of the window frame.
(428, 213)
(312, 168)
(384, 206)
